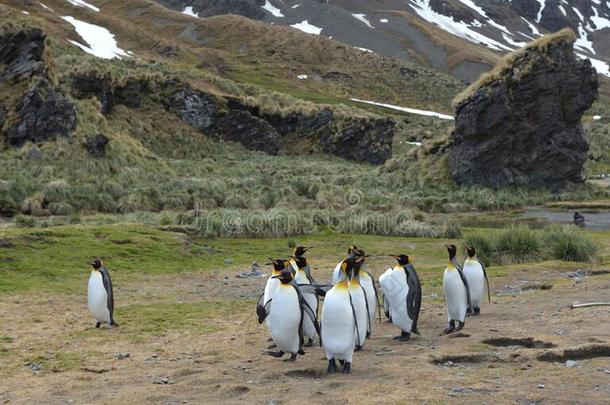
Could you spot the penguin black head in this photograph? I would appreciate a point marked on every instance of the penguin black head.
(403, 260)
(285, 276)
(278, 264)
(300, 261)
(357, 265)
(96, 263)
(300, 251)
(471, 251)
(452, 251)
(359, 253)
(352, 249)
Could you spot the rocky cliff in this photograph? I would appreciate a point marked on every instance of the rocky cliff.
(520, 124)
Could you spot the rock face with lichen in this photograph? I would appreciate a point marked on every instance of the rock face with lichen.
(520, 124)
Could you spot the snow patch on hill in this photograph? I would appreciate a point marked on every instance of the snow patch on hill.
(406, 109)
(458, 28)
(81, 3)
(189, 11)
(305, 26)
(100, 41)
(362, 17)
(272, 9)
(602, 67)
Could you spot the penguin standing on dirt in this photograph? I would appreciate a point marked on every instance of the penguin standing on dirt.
(476, 275)
(302, 276)
(360, 305)
(339, 320)
(100, 296)
(337, 272)
(284, 314)
(457, 292)
(402, 290)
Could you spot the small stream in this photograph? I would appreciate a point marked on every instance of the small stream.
(595, 220)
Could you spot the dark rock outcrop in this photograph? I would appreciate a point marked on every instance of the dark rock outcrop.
(21, 54)
(96, 145)
(194, 107)
(44, 114)
(252, 132)
(86, 85)
(361, 140)
(521, 126)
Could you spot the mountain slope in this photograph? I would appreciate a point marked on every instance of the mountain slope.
(461, 37)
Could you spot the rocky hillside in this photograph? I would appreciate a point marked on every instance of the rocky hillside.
(521, 123)
(461, 37)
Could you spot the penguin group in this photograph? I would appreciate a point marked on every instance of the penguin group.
(289, 305)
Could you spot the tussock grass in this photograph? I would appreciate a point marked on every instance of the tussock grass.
(520, 244)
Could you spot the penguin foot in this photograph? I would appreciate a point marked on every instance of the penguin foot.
(276, 354)
(309, 343)
(404, 336)
(477, 311)
(271, 346)
(358, 348)
(293, 357)
(332, 366)
(269, 339)
(342, 362)
(346, 367)
(368, 335)
(451, 328)
(97, 325)
(460, 326)
(301, 352)
(114, 325)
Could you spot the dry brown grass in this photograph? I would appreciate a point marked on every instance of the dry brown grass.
(564, 37)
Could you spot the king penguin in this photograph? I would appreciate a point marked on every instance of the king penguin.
(339, 320)
(272, 282)
(457, 292)
(284, 314)
(99, 295)
(476, 275)
(402, 289)
(302, 276)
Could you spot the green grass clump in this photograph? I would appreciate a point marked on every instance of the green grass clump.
(567, 243)
(518, 244)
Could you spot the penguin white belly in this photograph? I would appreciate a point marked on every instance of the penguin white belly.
(309, 329)
(362, 315)
(366, 282)
(476, 281)
(455, 295)
(97, 298)
(395, 289)
(336, 274)
(270, 288)
(386, 302)
(338, 329)
(284, 319)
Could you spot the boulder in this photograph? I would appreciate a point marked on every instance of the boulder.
(21, 54)
(362, 140)
(252, 132)
(43, 114)
(520, 124)
(96, 145)
(194, 107)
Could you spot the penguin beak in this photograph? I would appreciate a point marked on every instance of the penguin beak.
(306, 248)
(277, 276)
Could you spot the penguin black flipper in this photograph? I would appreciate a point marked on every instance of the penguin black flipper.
(307, 271)
(415, 286)
(262, 310)
(486, 279)
(463, 277)
(369, 330)
(307, 309)
(108, 286)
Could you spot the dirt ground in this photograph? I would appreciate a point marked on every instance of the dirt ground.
(541, 350)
